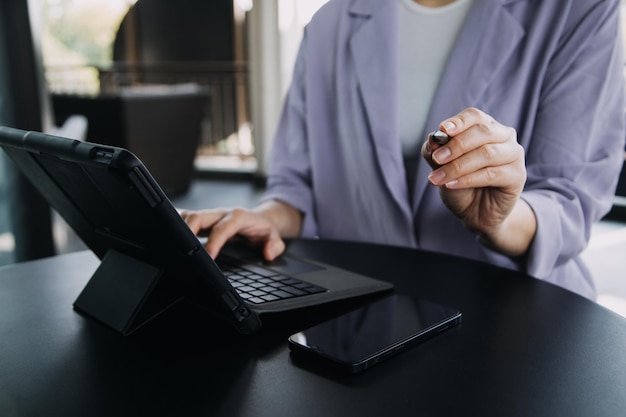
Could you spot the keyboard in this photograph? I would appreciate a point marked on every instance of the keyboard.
(258, 285)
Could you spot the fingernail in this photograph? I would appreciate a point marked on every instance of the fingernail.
(437, 177)
(449, 127)
(441, 155)
(452, 184)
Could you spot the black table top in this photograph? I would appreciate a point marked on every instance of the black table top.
(524, 348)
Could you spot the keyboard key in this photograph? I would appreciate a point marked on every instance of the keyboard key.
(294, 291)
(282, 294)
(259, 270)
(314, 289)
(291, 281)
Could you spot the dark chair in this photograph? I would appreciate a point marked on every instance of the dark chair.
(162, 125)
(197, 46)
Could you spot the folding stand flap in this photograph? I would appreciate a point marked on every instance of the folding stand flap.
(118, 290)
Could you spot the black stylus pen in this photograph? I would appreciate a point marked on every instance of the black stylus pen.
(439, 137)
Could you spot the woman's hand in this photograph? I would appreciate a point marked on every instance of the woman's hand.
(261, 227)
(481, 173)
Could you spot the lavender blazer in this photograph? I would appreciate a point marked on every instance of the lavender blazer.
(553, 70)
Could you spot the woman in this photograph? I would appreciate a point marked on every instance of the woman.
(530, 92)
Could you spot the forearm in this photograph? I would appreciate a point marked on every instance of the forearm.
(515, 234)
(286, 218)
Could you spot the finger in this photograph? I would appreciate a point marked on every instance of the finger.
(225, 229)
(489, 155)
(260, 233)
(450, 127)
(465, 120)
(273, 248)
(508, 178)
(470, 129)
(203, 220)
(454, 126)
(427, 152)
(435, 140)
(477, 136)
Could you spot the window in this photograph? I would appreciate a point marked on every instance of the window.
(77, 38)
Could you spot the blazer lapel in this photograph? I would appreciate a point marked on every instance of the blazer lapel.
(489, 36)
(373, 46)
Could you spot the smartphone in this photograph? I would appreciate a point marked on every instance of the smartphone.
(361, 338)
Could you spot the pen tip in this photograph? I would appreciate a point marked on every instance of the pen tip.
(439, 137)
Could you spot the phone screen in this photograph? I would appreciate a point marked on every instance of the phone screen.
(363, 337)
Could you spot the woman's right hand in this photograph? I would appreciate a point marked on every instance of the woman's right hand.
(259, 227)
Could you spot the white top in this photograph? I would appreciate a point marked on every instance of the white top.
(426, 36)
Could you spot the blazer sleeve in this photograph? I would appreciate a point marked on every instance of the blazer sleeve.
(289, 164)
(577, 145)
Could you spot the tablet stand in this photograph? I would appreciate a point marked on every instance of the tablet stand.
(125, 293)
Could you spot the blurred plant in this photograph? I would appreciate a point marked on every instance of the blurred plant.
(76, 32)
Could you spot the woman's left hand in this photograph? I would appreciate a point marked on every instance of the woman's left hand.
(481, 173)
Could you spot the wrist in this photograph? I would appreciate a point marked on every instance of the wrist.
(514, 235)
(284, 217)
